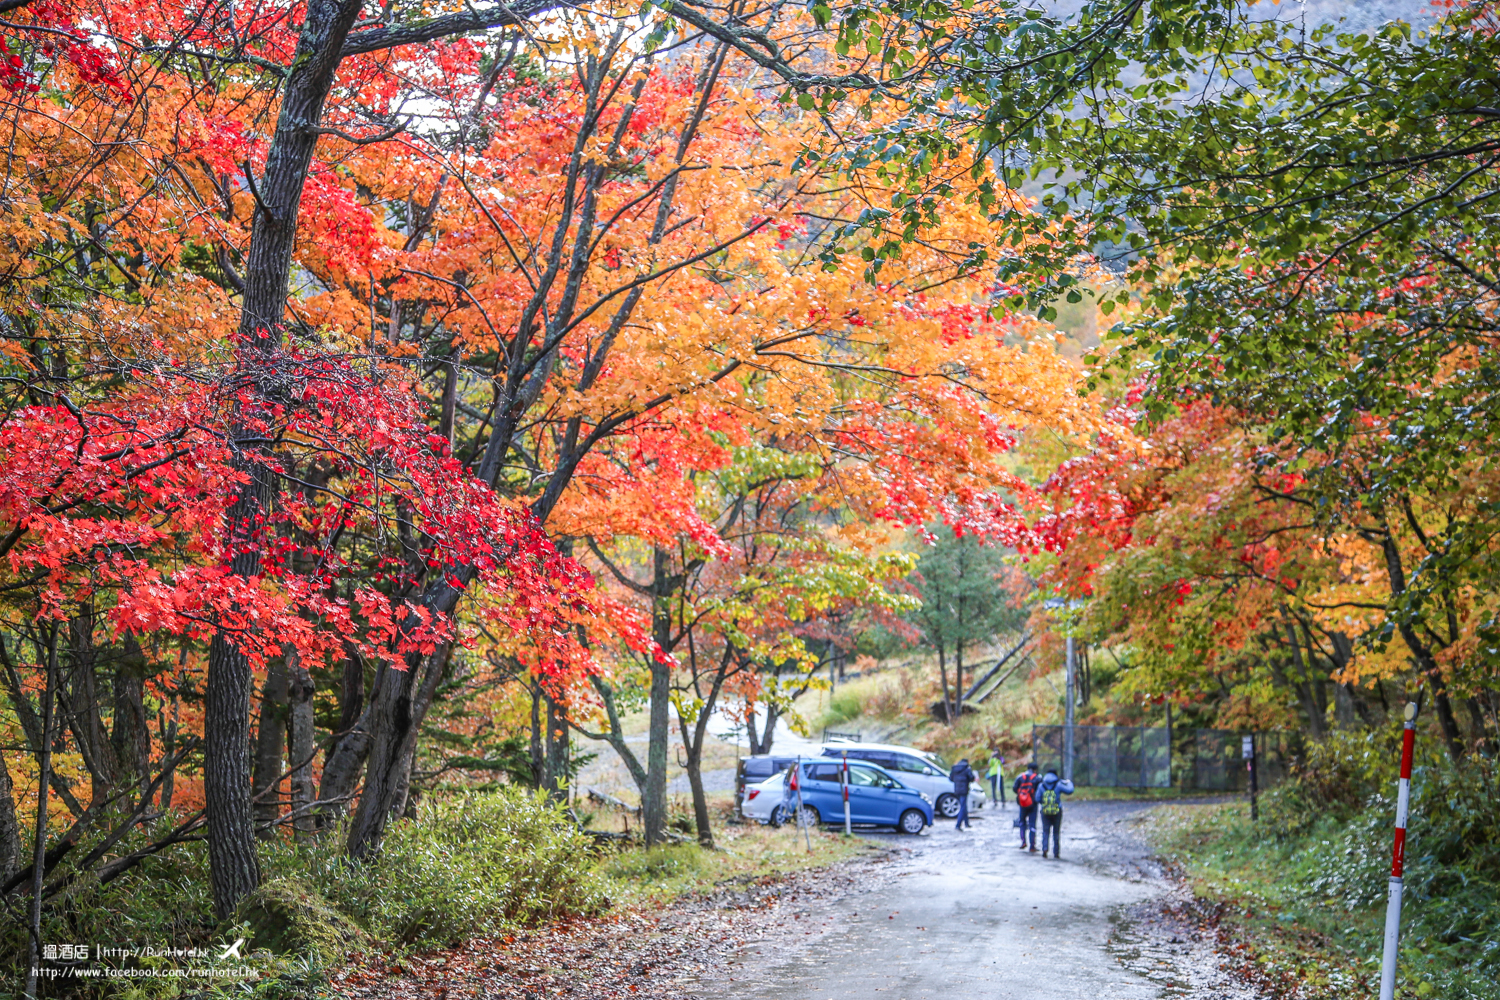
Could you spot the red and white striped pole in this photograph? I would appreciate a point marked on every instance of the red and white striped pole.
(1398, 858)
(801, 811)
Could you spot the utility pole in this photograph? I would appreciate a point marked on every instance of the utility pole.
(1068, 712)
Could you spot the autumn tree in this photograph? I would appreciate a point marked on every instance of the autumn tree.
(504, 255)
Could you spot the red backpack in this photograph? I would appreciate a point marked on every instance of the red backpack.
(1026, 793)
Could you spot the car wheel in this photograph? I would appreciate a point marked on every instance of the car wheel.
(912, 822)
(778, 816)
(808, 816)
(947, 805)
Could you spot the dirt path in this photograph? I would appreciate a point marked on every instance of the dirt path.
(948, 914)
(969, 915)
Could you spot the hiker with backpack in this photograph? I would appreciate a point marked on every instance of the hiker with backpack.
(997, 778)
(962, 776)
(1027, 784)
(1049, 801)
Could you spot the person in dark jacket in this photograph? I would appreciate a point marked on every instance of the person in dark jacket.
(963, 775)
(1026, 787)
(1049, 801)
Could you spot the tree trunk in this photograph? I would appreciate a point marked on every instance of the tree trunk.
(1425, 659)
(692, 742)
(270, 741)
(397, 710)
(350, 745)
(301, 745)
(39, 842)
(1476, 717)
(701, 819)
(767, 736)
(130, 734)
(233, 868)
(958, 681)
(534, 736)
(1343, 655)
(1301, 683)
(752, 731)
(1344, 714)
(168, 748)
(10, 827)
(351, 692)
(341, 770)
(1085, 673)
(556, 748)
(943, 675)
(654, 794)
(79, 698)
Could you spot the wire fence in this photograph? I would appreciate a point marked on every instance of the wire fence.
(1209, 760)
(1218, 763)
(1108, 756)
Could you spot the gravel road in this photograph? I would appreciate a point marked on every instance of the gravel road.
(968, 915)
(963, 916)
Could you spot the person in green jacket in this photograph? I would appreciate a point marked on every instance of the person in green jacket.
(997, 778)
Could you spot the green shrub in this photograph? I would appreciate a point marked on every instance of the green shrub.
(663, 862)
(163, 902)
(1336, 777)
(468, 865)
(843, 705)
(1329, 862)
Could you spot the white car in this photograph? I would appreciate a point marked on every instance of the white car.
(926, 772)
(764, 801)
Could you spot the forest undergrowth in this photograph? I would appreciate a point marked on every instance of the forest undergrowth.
(1303, 889)
(468, 866)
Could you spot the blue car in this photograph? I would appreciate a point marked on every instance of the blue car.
(876, 797)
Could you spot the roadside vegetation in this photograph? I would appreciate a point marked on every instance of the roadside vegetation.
(467, 865)
(1304, 888)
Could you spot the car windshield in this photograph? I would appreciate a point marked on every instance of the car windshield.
(937, 762)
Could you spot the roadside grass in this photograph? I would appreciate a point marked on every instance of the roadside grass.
(1259, 887)
(1305, 910)
(638, 877)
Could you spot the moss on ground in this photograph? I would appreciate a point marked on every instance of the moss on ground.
(288, 917)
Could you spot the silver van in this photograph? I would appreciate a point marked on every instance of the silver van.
(924, 771)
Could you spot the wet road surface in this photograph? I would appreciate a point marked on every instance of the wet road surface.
(968, 915)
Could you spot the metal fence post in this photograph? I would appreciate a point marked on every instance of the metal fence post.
(1247, 749)
(845, 775)
(1143, 756)
(1068, 713)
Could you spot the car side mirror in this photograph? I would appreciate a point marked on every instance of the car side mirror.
(928, 770)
